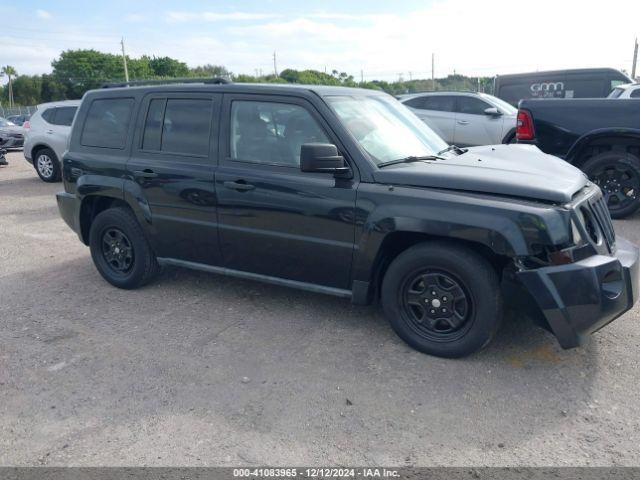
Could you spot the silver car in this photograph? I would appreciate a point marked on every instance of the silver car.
(465, 118)
(46, 140)
(11, 135)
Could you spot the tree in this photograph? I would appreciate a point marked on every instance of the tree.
(209, 70)
(168, 67)
(10, 72)
(81, 70)
(26, 89)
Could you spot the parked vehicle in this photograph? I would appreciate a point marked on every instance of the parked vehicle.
(11, 135)
(576, 83)
(599, 136)
(47, 136)
(20, 120)
(628, 90)
(465, 118)
(346, 192)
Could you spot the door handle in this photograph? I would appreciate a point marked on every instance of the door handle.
(240, 186)
(145, 173)
(48, 131)
(463, 122)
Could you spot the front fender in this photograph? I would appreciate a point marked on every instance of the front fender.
(508, 227)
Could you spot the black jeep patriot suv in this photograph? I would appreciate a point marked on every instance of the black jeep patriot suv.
(345, 192)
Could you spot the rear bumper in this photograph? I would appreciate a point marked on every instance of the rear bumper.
(11, 142)
(69, 208)
(580, 298)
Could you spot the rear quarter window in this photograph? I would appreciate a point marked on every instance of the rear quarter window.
(64, 116)
(48, 115)
(107, 123)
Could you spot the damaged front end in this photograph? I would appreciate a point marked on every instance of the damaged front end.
(581, 287)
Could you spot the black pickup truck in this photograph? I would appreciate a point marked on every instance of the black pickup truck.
(345, 192)
(599, 136)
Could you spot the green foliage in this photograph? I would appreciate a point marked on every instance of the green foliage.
(77, 71)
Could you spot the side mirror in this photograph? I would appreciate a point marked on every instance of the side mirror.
(493, 111)
(321, 158)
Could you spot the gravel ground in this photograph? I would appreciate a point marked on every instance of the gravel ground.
(199, 369)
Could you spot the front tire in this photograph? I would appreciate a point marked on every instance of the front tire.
(47, 165)
(618, 175)
(120, 250)
(442, 300)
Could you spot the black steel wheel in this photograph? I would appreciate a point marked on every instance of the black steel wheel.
(436, 304)
(442, 299)
(120, 249)
(117, 250)
(618, 176)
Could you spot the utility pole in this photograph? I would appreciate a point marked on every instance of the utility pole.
(275, 67)
(433, 76)
(124, 60)
(361, 76)
(635, 61)
(410, 76)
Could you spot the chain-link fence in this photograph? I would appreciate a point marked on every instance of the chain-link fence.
(7, 111)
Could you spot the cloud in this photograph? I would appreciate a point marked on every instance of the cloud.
(43, 14)
(216, 16)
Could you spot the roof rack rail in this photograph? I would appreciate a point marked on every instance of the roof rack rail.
(134, 83)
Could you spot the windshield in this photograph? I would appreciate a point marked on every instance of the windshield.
(384, 128)
(5, 123)
(506, 108)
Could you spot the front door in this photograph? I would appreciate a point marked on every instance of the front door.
(172, 161)
(275, 220)
(473, 126)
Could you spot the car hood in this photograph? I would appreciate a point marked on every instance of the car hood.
(515, 170)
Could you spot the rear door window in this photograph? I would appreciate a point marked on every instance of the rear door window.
(440, 103)
(48, 115)
(64, 116)
(107, 123)
(178, 125)
(635, 93)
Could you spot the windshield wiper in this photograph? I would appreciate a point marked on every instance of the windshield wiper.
(454, 148)
(410, 159)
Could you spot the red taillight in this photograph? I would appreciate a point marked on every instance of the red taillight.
(26, 125)
(524, 126)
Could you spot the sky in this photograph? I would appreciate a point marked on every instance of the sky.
(373, 39)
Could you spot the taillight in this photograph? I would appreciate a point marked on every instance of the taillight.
(524, 126)
(26, 125)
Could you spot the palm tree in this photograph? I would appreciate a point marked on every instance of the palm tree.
(10, 72)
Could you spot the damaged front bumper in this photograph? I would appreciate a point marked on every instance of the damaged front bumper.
(580, 298)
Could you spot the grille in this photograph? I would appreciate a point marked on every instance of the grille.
(601, 214)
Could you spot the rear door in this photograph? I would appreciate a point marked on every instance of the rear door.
(172, 162)
(275, 220)
(437, 111)
(57, 132)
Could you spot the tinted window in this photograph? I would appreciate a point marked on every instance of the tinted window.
(107, 123)
(48, 114)
(472, 106)
(635, 93)
(440, 103)
(272, 133)
(64, 116)
(416, 102)
(586, 88)
(186, 126)
(153, 125)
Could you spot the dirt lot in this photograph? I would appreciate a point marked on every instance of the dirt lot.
(199, 369)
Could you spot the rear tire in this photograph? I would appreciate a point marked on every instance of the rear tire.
(442, 300)
(47, 165)
(618, 175)
(120, 250)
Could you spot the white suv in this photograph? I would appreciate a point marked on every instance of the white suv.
(628, 90)
(46, 140)
(465, 118)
